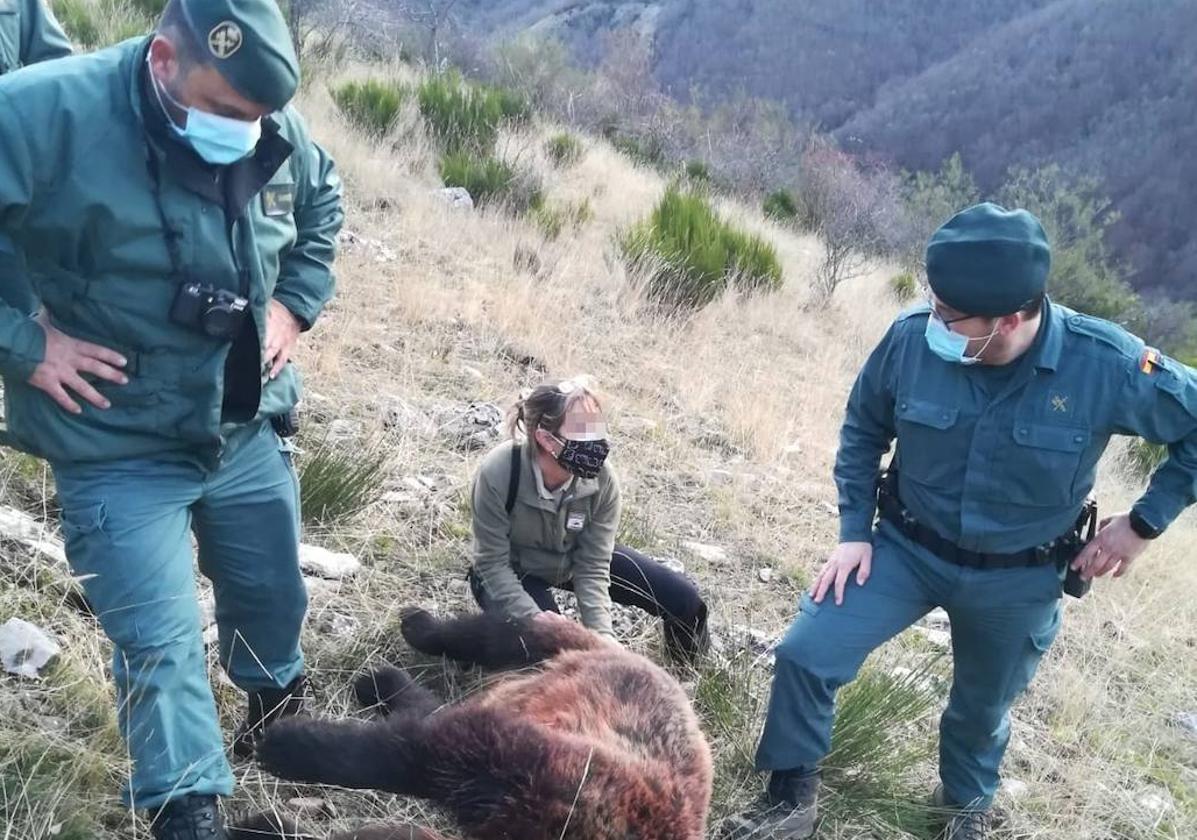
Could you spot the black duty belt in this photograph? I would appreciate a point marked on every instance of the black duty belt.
(1058, 551)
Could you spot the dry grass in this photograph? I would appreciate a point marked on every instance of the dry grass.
(437, 307)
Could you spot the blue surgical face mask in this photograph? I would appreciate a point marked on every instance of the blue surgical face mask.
(952, 346)
(218, 140)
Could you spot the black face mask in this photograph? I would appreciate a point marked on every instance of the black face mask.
(583, 458)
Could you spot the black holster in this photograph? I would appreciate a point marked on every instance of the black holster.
(286, 425)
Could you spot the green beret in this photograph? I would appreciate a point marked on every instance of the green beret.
(248, 43)
(989, 261)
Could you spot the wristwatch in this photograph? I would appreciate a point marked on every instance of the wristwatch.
(1143, 528)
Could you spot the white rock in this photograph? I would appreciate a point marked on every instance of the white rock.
(1186, 721)
(710, 553)
(327, 564)
(340, 625)
(765, 575)
(940, 638)
(207, 606)
(937, 619)
(25, 648)
(473, 372)
(456, 197)
(1015, 788)
(720, 478)
(342, 429)
(20, 527)
(1157, 803)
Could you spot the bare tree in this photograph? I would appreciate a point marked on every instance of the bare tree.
(857, 215)
(434, 17)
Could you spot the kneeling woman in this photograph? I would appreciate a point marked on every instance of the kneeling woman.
(545, 514)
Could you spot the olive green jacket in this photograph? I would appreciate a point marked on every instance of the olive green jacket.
(82, 148)
(536, 538)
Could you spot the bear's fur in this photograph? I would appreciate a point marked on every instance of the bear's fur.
(598, 743)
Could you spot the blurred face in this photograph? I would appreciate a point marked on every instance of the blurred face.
(583, 421)
(199, 87)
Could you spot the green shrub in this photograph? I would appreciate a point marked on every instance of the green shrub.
(553, 220)
(489, 180)
(563, 149)
(1144, 457)
(371, 106)
(698, 171)
(904, 287)
(338, 481)
(647, 151)
(691, 255)
(466, 117)
(781, 206)
(78, 19)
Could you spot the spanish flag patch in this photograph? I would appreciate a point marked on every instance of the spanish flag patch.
(1149, 362)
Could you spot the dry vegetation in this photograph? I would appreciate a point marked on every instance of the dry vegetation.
(438, 306)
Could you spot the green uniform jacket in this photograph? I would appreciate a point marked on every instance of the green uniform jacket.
(1001, 460)
(80, 145)
(29, 34)
(536, 539)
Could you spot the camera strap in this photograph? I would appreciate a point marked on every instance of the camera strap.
(169, 234)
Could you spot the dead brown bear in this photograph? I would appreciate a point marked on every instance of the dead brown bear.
(598, 743)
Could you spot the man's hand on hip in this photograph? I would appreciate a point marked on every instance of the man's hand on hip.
(282, 335)
(65, 362)
(847, 558)
(1114, 548)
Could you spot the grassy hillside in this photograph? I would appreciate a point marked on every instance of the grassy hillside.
(725, 426)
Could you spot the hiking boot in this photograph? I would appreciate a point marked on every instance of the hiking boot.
(788, 811)
(265, 707)
(191, 817)
(687, 642)
(964, 823)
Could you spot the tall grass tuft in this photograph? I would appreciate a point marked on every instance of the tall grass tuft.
(690, 255)
(371, 106)
(339, 480)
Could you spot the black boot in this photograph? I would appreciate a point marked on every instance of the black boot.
(687, 641)
(191, 817)
(788, 811)
(265, 707)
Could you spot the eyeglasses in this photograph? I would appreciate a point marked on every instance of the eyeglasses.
(947, 322)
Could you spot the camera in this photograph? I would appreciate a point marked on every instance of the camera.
(215, 312)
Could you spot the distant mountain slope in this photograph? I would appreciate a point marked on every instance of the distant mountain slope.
(1108, 87)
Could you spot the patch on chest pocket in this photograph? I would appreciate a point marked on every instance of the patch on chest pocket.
(575, 522)
(277, 200)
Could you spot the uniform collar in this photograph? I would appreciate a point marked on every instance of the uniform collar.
(1050, 341)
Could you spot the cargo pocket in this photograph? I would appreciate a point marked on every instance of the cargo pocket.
(84, 520)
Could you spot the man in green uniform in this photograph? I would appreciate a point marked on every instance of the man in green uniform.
(29, 33)
(1002, 404)
(179, 225)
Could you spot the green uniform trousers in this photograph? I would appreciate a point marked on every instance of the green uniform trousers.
(1003, 621)
(127, 526)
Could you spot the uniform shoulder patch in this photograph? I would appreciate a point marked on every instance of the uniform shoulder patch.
(1150, 361)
